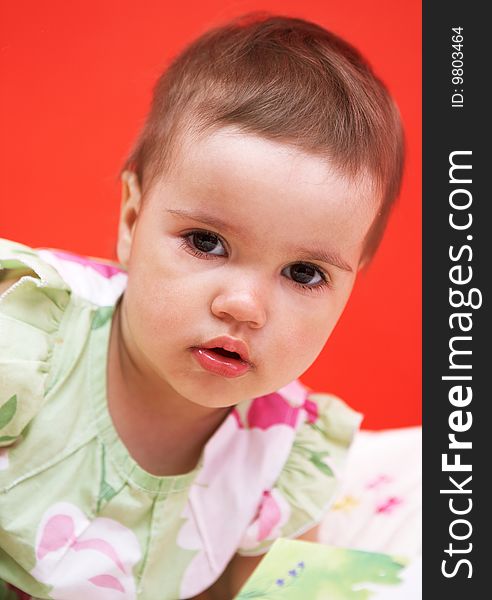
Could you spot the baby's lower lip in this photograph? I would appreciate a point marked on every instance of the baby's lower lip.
(217, 364)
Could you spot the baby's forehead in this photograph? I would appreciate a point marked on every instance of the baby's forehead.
(231, 151)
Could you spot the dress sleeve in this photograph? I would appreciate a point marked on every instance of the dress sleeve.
(30, 314)
(306, 486)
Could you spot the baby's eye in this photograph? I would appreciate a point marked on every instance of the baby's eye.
(206, 242)
(305, 274)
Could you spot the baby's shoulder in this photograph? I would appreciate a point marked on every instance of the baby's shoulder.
(47, 305)
(302, 491)
(95, 280)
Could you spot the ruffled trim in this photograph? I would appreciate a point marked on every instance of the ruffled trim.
(306, 486)
(30, 314)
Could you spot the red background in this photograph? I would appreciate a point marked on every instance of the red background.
(76, 83)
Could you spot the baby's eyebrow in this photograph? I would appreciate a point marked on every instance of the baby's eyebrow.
(205, 218)
(321, 255)
(318, 254)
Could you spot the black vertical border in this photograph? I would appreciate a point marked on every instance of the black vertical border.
(447, 129)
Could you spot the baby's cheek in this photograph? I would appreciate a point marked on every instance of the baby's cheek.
(311, 332)
(298, 350)
(155, 296)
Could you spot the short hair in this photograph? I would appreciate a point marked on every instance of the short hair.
(285, 79)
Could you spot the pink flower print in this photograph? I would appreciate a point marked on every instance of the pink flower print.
(91, 279)
(285, 407)
(269, 516)
(270, 410)
(311, 409)
(273, 514)
(83, 559)
(237, 417)
(388, 505)
(105, 269)
(379, 481)
(295, 393)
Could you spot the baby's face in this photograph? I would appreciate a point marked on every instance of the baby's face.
(248, 239)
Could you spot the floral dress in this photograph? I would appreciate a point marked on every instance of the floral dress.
(79, 518)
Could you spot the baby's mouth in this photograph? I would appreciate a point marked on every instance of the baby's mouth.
(224, 356)
(226, 353)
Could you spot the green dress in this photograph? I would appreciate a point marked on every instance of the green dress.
(79, 518)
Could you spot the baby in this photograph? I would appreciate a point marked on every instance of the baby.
(155, 441)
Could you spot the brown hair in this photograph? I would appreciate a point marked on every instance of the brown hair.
(288, 80)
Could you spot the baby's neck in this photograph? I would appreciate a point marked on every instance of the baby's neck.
(162, 431)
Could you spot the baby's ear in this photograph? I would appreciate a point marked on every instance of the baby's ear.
(131, 199)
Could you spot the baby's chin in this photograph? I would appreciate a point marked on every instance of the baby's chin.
(218, 392)
(229, 393)
(218, 400)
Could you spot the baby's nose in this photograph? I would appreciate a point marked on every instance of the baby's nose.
(241, 305)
